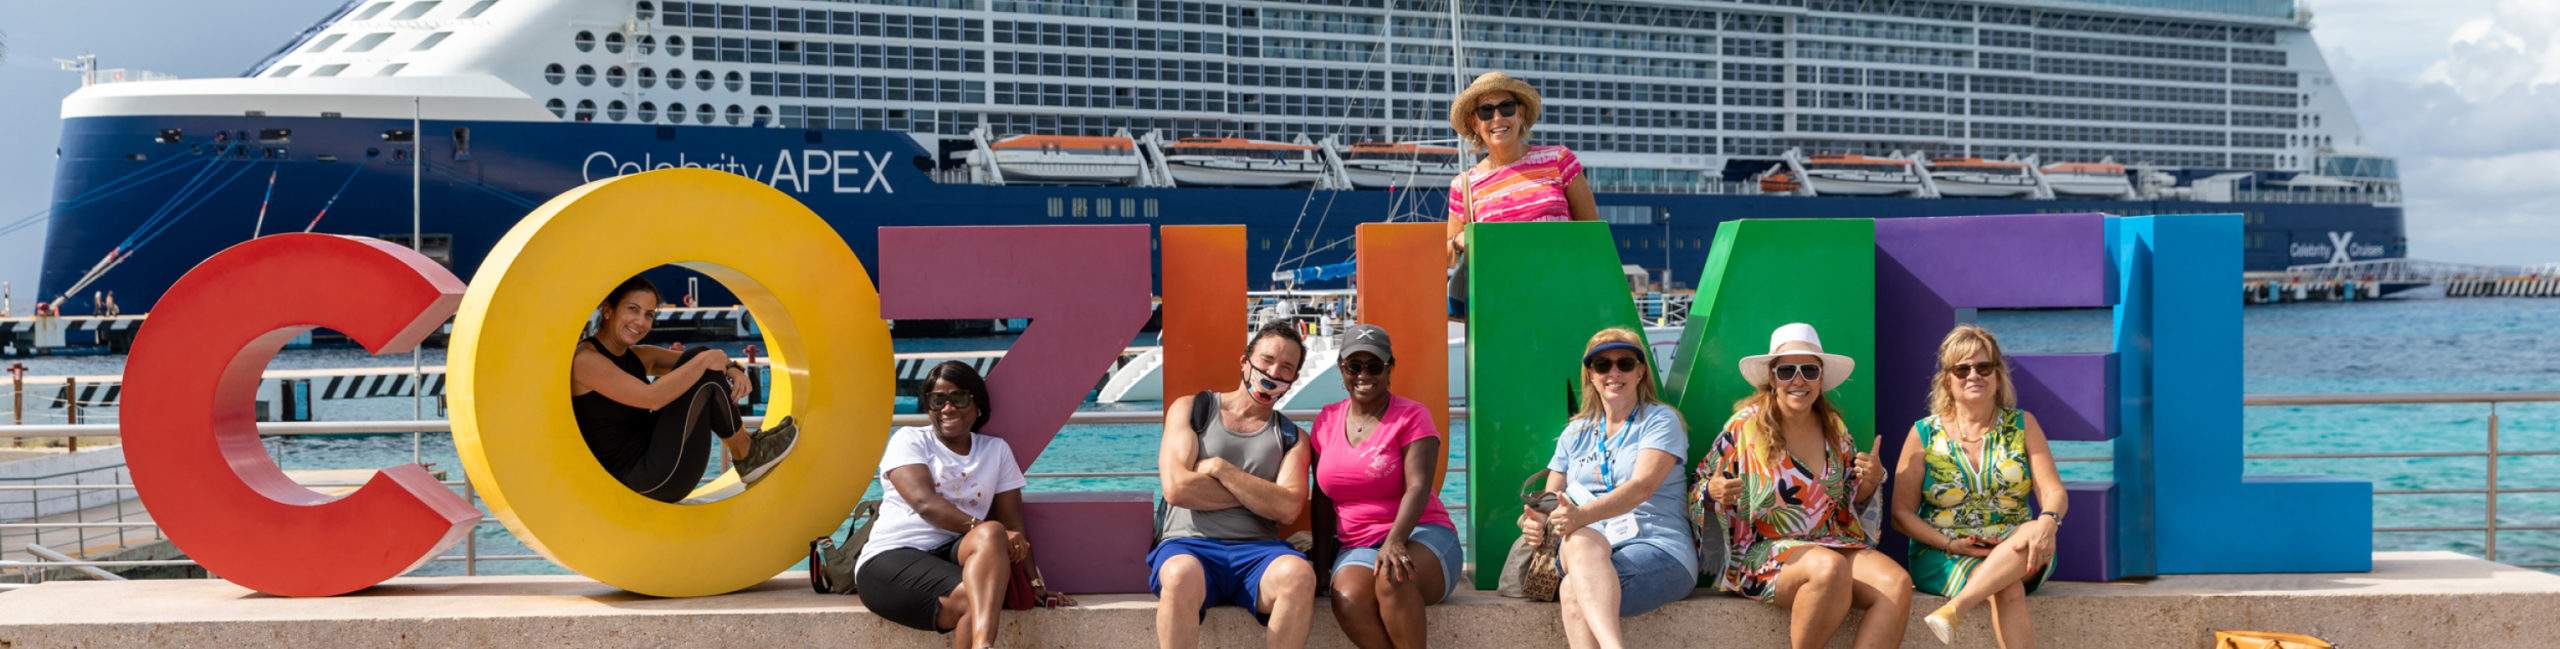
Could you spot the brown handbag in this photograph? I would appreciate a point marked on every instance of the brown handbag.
(1541, 575)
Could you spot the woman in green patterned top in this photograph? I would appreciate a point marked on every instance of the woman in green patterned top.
(1979, 458)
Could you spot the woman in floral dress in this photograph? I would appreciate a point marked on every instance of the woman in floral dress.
(1787, 484)
(1979, 458)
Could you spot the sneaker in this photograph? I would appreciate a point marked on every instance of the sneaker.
(766, 448)
(819, 548)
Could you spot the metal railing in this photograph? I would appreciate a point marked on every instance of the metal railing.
(2490, 527)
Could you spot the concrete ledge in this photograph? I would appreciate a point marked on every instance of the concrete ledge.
(2418, 599)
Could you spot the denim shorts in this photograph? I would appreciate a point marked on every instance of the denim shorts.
(1442, 541)
(1648, 578)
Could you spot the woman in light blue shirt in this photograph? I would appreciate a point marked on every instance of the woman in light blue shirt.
(1627, 547)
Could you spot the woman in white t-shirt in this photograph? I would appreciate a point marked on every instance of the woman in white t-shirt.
(935, 561)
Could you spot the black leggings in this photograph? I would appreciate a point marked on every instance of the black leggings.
(678, 450)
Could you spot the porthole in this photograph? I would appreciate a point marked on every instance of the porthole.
(648, 44)
(614, 76)
(675, 46)
(614, 111)
(736, 115)
(675, 113)
(554, 73)
(613, 43)
(558, 108)
(703, 79)
(675, 78)
(648, 111)
(648, 78)
(736, 81)
(586, 41)
(705, 113)
(586, 110)
(586, 75)
(647, 11)
(764, 116)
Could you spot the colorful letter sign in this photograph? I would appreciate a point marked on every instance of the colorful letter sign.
(523, 317)
(191, 437)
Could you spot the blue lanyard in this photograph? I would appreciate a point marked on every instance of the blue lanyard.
(1601, 448)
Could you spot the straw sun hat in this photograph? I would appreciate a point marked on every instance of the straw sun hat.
(1462, 109)
(1798, 339)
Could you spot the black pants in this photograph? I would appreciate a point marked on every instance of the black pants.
(906, 585)
(680, 444)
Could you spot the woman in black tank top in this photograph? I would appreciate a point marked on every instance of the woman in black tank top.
(656, 436)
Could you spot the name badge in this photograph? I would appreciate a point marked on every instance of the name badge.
(1620, 529)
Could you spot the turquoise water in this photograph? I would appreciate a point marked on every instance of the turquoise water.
(2433, 345)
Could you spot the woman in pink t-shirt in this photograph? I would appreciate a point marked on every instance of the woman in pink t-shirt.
(1515, 181)
(1377, 464)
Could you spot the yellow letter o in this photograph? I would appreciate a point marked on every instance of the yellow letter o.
(527, 307)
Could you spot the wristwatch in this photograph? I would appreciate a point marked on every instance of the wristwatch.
(2057, 516)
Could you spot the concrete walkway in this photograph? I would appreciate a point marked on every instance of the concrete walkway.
(2412, 599)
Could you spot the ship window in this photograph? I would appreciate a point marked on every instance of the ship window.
(764, 115)
(431, 41)
(675, 46)
(586, 41)
(284, 71)
(586, 110)
(736, 115)
(392, 69)
(703, 78)
(326, 42)
(648, 111)
(416, 10)
(329, 70)
(477, 9)
(614, 111)
(647, 12)
(375, 10)
(736, 81)
(613, 43)
(648, 44)
(705, 113)
(554, 73)
(614, 76)
(675, 113)
(675, 78)
(558, 108)
(369, 42)
(586, 75)
(462, 143)
(648, 78)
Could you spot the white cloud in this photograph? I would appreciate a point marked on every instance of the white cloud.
(2467, 99)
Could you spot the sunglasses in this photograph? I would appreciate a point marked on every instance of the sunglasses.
(1810, 371)
(933, 401)
(1507, 108)
(1969, 370)
(1372, 367)
(1623, 364)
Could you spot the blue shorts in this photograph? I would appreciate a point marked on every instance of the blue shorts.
(1648, 578)
(1233, 569)
(1442, 541)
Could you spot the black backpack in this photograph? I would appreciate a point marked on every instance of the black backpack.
(1204, 408)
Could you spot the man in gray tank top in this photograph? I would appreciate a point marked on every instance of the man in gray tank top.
(1230, 480)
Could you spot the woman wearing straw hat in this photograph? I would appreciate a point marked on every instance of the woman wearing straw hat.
(1626, 548)
(1788, 485)
(1515, 181)
(1979, 457)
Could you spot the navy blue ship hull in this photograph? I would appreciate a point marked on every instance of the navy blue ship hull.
(170, 204)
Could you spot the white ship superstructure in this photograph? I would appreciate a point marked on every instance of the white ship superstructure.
(1663, 95)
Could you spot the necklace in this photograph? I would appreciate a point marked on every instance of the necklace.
(1975, 431)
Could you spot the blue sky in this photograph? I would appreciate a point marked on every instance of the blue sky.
(2462, 91)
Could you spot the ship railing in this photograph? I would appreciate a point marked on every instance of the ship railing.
(2492, 488)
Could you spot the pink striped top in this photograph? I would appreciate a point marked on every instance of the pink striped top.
(1529, 189)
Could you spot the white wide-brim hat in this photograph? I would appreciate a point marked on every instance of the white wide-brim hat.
(1798, 339)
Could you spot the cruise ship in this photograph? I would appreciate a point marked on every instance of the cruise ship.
(1299, 120)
